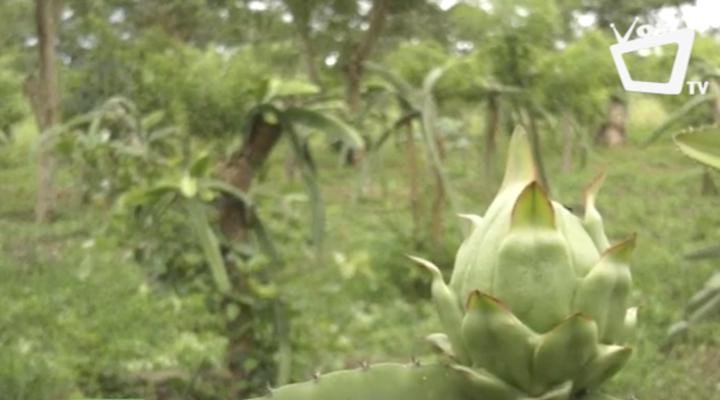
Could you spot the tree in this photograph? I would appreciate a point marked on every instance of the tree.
(354, 65)
(45, 99)
(302, 14)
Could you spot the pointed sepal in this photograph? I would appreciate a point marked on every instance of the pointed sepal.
(622, 252)
(608, 361)
(563, 351)
(599, 396)
(482, 383)
(474, 219)
(447, 306)
(497, 341)
(533, 208)
(584, 252)
(603, 293)
(629, 325)
(440, 344)
(560, 392)
(520, 166)
(592, 220)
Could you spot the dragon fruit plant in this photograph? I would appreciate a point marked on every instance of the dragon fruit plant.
(536, 308)
(702, 145)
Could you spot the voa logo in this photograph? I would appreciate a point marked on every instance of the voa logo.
(648, 38)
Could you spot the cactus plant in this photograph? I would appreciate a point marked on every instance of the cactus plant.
(703, 146)
(536, 307)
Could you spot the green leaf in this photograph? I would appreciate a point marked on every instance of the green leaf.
(401, 87)
(284, 88)
(221, 186)
(209, 243)
(152, 120)
(325, 123)
(316, 201)
(679, 114)
(702, 145)
(402, 121)
(188, 186)
(201, 165)
(139, 196)
(264, 240)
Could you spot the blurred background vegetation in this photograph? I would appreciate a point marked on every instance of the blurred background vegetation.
(199, 198)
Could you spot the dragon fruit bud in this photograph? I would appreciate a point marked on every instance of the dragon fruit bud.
(546, 293)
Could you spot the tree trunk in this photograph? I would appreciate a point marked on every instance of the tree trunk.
(567, 144)
(355, 65)
(239, 172)
(31, 90)
(414, 182)
(438, 210)
(612, 132)
(310, 57)
(492, 123)
(46, 103)
(302, 14)
(436, 154)
(235, 224)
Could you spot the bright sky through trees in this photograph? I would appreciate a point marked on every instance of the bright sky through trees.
(702, 16)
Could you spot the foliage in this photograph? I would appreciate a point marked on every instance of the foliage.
(700, 109)
(702, 305)
(702, 146)
(12, 109)
(206, 97)
(155, 94)
(583, 71)
(156, 195)
(88, 340)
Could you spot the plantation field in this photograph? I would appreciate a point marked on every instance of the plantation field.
(359, 200)
(78, 308)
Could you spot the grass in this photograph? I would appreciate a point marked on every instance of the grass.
(77, 312)
(364, 301)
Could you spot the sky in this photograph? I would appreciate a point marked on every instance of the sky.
(701, 16)
(705, 14)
